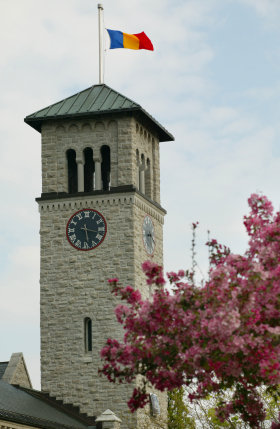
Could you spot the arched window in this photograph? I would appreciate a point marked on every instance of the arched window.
(148, 181)
(88, 170)
(142, 175)
(155, 407)
(72, 171)
(106, 167)
(88, 334)
(137, 167)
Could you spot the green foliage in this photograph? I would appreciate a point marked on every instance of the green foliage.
(178, 413)
(271, 398)
(215, 422)
(204, 411)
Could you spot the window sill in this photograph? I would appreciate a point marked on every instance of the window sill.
(86, 359)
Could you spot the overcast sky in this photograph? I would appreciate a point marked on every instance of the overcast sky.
(212, 81)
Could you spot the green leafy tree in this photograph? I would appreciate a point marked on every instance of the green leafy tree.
(178, 412)
(203, 411)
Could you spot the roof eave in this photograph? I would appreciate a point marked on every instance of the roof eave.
(163, 134)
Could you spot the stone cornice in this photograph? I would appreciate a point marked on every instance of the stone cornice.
(116, 196)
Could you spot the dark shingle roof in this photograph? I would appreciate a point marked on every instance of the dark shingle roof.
(94, 101)
(3, 366)
(29, 407)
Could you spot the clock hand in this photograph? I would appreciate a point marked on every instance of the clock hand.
(151, 236)
(92, 230)
(85, 229)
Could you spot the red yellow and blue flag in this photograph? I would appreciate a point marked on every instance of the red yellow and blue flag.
(129, 41)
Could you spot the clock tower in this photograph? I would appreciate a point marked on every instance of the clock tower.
(100, 218)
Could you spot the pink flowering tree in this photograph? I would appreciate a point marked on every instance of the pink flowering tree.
(222, 335)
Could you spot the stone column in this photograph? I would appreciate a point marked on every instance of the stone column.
(80, 167)
(142, 179)
(137, 169)
(109, 420)
(137, 177)
(98, 178)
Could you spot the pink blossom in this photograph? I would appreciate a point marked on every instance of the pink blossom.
(223, 334)
(115, 280)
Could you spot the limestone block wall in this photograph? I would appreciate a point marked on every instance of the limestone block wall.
(16, 371)
(74, 283)
(141, 209)
(76, 135)
(147, 145)
(124, 135)
(74, 286)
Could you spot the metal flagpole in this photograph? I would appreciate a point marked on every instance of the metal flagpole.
(101, 51)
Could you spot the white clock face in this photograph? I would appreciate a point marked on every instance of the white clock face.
(149, 235)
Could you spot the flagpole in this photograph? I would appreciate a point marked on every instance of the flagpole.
(101, 51)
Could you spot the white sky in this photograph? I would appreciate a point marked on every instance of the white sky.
(212, 81)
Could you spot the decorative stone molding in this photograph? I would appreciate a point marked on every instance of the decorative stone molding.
(109, 420)
(16, 371)
(103, 200)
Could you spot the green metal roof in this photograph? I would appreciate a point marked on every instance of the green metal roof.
(94, 101)
(32, 408)
(3, 366)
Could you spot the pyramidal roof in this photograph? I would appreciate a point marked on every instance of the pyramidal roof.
(95, 101)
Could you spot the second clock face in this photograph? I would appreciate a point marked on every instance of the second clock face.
(86, 229)
(148, 235)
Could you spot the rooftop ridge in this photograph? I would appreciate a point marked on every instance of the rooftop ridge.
(70, 409)
(30, 420)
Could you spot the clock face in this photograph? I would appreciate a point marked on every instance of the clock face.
(86, 229)
(149, 235)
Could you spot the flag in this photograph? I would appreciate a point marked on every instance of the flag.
(129, 41)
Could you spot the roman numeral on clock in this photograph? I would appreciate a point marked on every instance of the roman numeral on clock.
(86, 229)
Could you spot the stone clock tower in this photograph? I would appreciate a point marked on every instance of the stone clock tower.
(100, 218)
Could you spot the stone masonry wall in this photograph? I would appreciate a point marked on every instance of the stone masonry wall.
(74, 286)
(123, 137)
(148, 147)
(74, 283)
(16, 371)
(141, 209)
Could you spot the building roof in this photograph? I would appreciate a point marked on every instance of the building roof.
(3, 366)
(92, 102)
(15, 371)
(34, 408)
